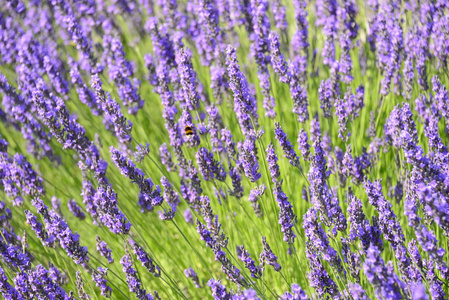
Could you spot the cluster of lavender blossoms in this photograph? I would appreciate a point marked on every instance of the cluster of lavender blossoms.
(194, 102)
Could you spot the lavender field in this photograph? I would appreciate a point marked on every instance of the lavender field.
(229, 149)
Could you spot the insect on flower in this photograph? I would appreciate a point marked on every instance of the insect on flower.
(188, 131)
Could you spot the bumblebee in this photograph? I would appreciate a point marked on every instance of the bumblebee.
(188, 130)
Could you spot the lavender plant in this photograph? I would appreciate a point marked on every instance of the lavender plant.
(263, 149)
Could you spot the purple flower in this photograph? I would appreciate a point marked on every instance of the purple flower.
(327, 95)
(248, 156)
(279, 15)
(244, 103)
(249, 263)
(260, 52)
(253, 198)
(144, 258)
(18, 177)
(104, 250)
(39, 229)
(435, 285)
(76, 209)
(296, 294)
(188, 79)
(209, 167)
(86, 95)
(236, 182)
(268, 257)
(190, 273)
(359, 226)
(228, 143)
(214, 126)
(272, 163)
(303, 144)
(8, 291)
(386, 283)
(42, 285)
(19, 112)
(318, 242)
(134, 284)
(68, 240)
(277, 59)
(122, 126)
(418, 291)
(188, 216)
(141, 152)
(321, 196)
(121, 72)
(166, 158)
(319, 278)
(357, 292)
(148, 197)
(80, 287)
(99, 277)
(218, 290)
(287, 147)
(287, 217)
(216, 240)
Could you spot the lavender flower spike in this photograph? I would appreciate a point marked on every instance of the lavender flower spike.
(249, 263)
(249, 160)
(268, 257)
(190, 273)
(104, 250)
(8, 291)
(134, 284)
(76, 209)
(286, 145)
(244, 103)
(386, 283)
(277, 59)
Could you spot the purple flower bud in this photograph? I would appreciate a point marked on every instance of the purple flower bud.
(319, 278)
(8, 291)
(303, 144)
(268, 257)
(287, 147)
(249, 161)
(253, 198)
(122, 126)
(228, 143)
(386, 283)
(296, 294)
(318, 242)
(287, 217)
(99, 277)
(249, 263)
(272, 163)
(166, 158)
(357, 292)
(188, 216)
(104, 250)
(190, 273)
(39, 229)
(144, 258)
(134, 284)
(244, 102)
(277, 59)
(218, 290)
(236, 182)
(188, 79)
(76, 209)
(148, 197)
(209, 167)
